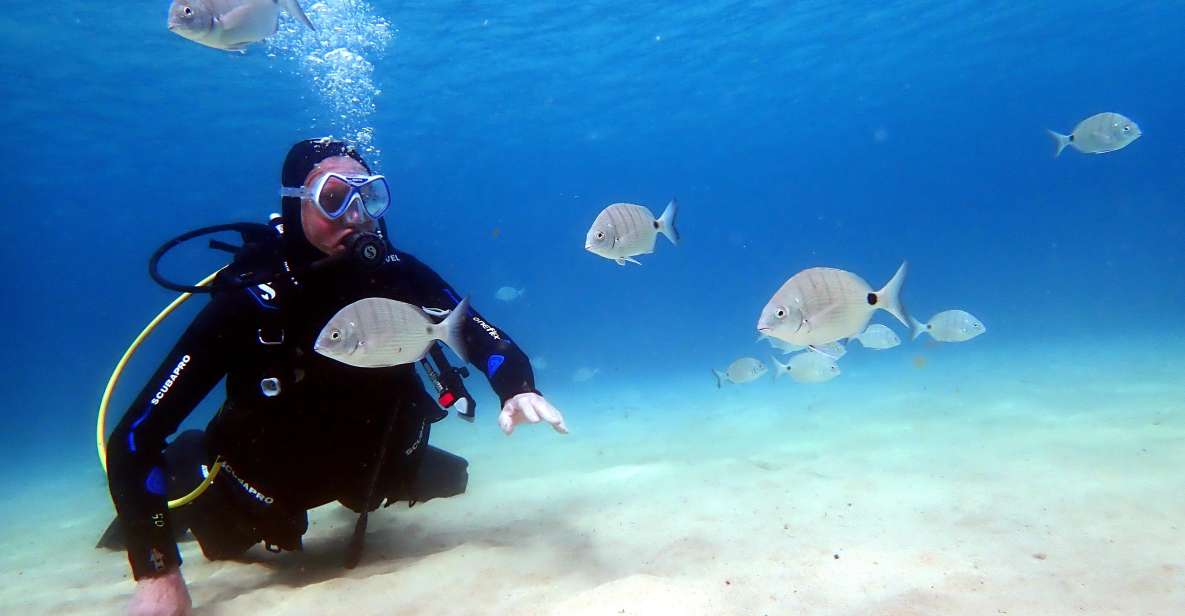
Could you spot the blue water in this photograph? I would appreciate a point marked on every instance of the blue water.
(849, 135)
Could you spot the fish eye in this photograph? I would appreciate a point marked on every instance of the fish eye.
(781, 313)
(1126, 128)
(188, 12)
(335, 335)
(600, 235)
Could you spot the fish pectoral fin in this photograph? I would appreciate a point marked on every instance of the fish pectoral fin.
(821, 351)
(631, 260)
(619, 261)
(236, 17)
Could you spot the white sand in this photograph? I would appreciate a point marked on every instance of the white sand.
(1001, 491)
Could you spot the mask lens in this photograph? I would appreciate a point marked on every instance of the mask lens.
(332, 197)
(376, 197)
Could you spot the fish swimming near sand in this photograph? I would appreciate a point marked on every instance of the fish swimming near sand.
(378, 332)
(877, 337)
(743, 370)
(823, 304)
(950, 326)
(625, 230)
(809, 367)
(230, 25)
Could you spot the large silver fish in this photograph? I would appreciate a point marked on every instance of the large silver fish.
(378, 332)
(950, 326)
(1100, 133)
(230, 24)
(822, 304)
(624, 230)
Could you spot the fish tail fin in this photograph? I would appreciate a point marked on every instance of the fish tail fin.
(889, 297)
(1060, 141)
(297, 13)
(449, 330)
(916, 328)
(779, 368)
(719, 378)
(666, 222)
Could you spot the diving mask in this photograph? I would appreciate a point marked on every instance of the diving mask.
(334, 193)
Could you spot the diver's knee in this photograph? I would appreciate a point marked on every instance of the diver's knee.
(441, 474)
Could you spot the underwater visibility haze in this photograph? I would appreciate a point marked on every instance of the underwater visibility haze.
(1021, 458)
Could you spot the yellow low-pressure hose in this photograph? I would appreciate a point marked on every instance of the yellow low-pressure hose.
(101, 429)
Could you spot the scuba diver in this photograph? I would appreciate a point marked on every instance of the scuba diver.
(297, 429)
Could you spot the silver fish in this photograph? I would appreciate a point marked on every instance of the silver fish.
(230, 24)
(624, 230)
(743, 370)
(950, 326)
(508, 294)
(807, 368)
(822, 304)
(878, 337)
(1100, 133)
(832, 349)
(378, 332)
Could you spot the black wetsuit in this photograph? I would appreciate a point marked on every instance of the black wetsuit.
(311, 443)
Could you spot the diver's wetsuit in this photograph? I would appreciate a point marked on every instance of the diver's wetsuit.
(312, 443)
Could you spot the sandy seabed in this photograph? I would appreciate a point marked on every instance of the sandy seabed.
(949, 489)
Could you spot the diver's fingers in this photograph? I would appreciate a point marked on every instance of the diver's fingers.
(527, 405)
(506, 420)
(552, 415)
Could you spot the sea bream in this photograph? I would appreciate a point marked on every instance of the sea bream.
(823, 304)
(807, 367)
(743, 370)
(877, 337)
(1099, 134)
(624, 230)
(378, 332)
(230, 25)
(950, 326)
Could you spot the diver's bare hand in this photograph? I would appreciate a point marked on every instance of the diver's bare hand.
(530, 408)
(161, 595)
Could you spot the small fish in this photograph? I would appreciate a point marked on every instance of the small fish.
(1100, 133)
(807, 368)
(230, 24)
(781, 345)
(509, 294)
(950, 326)
(584, 374)
(878, 337)
(822, 304)
(378, 332)
(832, 349)
(743, 370)
(624, 230)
